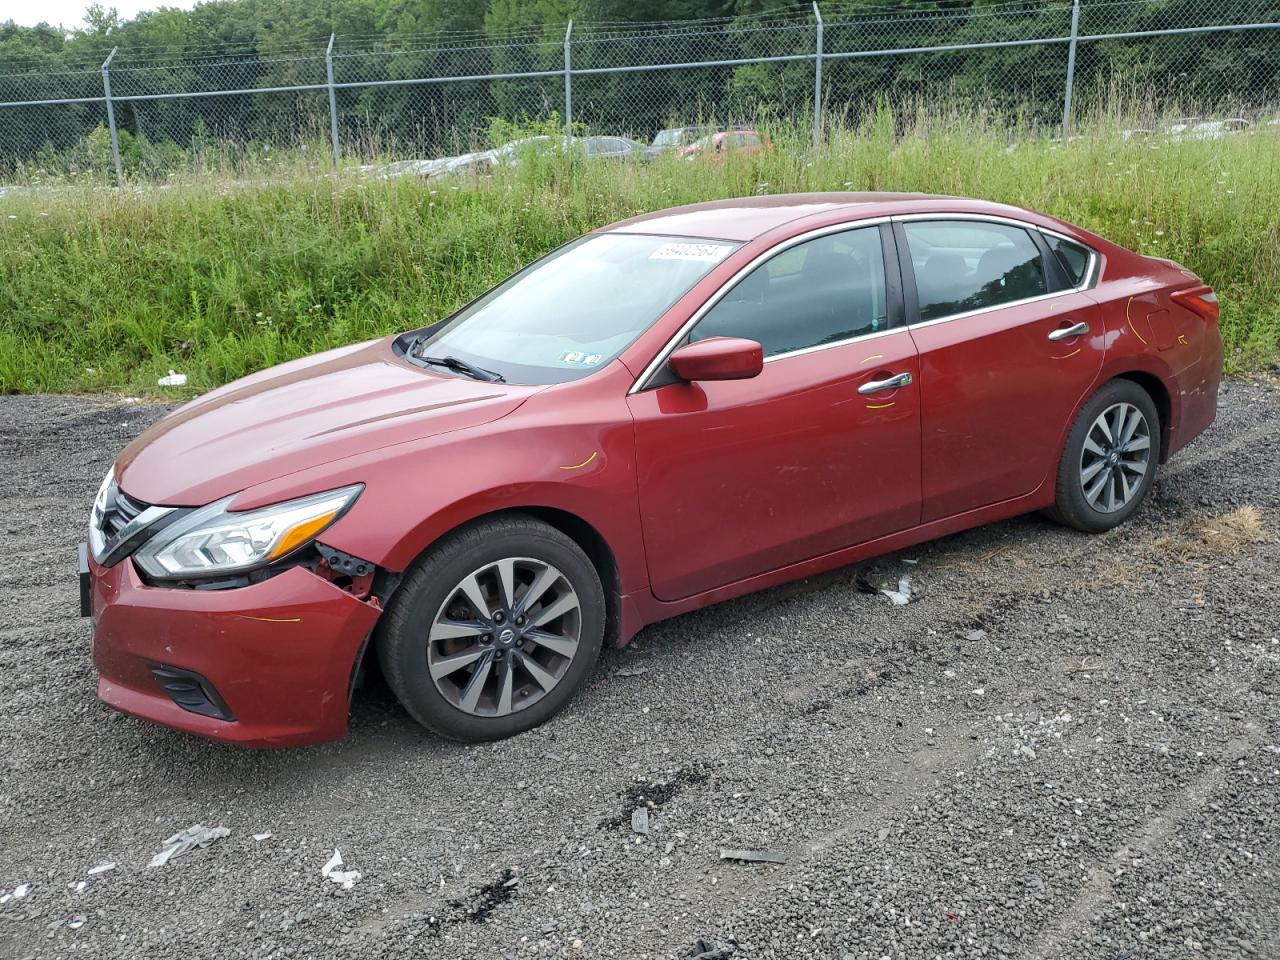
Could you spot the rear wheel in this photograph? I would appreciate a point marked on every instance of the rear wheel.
(494, 629)
(1109, 460)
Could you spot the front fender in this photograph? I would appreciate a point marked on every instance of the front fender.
(560, 454)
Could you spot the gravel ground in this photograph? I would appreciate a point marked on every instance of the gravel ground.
(1067, 748)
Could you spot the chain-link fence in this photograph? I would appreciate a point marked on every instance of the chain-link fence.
(143, 112)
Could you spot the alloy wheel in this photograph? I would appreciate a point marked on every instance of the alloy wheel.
(1115, 458)
(504, 637)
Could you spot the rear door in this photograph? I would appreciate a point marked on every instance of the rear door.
(1008, 349)
(741, 477)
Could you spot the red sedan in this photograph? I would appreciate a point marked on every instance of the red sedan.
(663, 414)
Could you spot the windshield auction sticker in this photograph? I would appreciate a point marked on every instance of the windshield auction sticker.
(582, 359)
(706, 252)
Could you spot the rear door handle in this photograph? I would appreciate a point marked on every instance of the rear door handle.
(875, 386)
(1066, 333)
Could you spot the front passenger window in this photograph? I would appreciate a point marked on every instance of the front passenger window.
(963, 265)
(821, 291)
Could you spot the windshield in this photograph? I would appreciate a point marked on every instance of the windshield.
(575, 310)
(666, 138)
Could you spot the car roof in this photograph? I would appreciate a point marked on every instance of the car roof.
(750, 217)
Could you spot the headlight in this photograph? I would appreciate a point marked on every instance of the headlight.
(213, 541)
(97, 539)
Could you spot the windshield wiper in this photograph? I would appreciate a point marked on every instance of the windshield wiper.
(458, 365)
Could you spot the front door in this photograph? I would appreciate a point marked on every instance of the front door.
(738, 478)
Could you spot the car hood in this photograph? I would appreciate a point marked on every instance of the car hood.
(299, 415)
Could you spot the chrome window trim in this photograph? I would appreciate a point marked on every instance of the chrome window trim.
(1003, 306)
(654, 365)
(642, 382)
(1094, 257)
(873, 335)
(1002, 221)
(943, 215)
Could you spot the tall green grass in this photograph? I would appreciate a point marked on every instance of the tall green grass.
(107, 290)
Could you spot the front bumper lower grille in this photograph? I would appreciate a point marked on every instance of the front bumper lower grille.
(191, 692)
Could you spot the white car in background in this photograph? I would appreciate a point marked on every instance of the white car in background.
(1196, 129)
(485, 161)
(509, 154)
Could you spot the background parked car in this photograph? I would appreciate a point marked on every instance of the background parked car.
(673, 138)
(1193, 128)
(728, 141)
(611, 148)
(510, 154)
(605, 147)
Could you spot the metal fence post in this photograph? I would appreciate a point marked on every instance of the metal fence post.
(1071, 68)
(111, 116)
(817, 77)
(333, 102)
(568, 81)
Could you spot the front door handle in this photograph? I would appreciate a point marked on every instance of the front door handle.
(1066, 333)
(875, 386)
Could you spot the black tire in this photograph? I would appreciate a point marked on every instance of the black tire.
(1072, 506)
(402, 639)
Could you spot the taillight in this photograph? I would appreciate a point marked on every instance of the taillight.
(1199, 300)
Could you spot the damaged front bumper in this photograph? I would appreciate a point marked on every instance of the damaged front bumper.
(269, 664)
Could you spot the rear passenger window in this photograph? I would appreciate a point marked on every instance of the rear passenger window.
(821, 291)
(1073, 257)
(963, 265)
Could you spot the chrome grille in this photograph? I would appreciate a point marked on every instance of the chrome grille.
(122, 509)
(118, 523)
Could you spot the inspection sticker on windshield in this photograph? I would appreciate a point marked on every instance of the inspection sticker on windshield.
(707, 252)
(582, 359)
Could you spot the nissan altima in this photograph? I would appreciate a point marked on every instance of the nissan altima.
(663, 414)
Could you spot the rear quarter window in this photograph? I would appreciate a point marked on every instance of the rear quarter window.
(1073, 257)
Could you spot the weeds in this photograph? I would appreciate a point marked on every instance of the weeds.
(216, 277)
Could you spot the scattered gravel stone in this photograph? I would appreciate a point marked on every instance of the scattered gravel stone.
(1144, 828)
(640, 820)
(752, 856)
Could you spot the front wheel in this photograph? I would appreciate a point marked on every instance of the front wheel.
(493, 630)
(1109, 460)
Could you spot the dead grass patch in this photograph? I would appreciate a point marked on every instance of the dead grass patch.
(1208, 538)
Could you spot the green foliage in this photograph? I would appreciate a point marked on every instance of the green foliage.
(234, 44)
(503, 131)
(218, 277)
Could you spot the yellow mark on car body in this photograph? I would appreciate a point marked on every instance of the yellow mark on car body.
(1071, 354)
(579, 466)
(1183, 340)
(874, 356)
(246, 616)
(1129, 321)
(880, 406)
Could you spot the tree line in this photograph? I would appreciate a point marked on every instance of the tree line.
(254, 44)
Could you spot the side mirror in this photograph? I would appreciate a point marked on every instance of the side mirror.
(718, 358)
